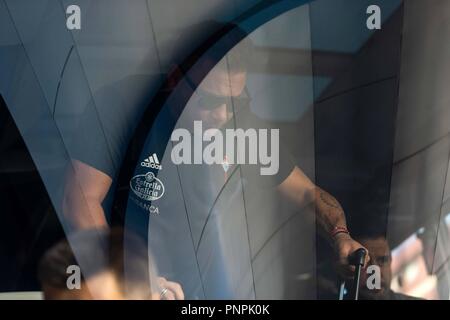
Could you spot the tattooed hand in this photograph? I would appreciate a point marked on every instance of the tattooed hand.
(329, 215)
(344, 246)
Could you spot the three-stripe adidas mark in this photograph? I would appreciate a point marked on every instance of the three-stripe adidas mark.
(152, 162)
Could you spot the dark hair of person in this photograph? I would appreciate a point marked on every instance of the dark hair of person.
(95, 251)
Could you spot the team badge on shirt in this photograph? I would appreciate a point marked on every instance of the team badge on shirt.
(225, 164)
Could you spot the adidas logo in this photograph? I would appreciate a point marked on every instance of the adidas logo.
(152, 162)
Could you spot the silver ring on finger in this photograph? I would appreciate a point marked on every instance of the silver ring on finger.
(163, 292)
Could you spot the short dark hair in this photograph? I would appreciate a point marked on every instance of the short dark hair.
(97, 250)
(368, 228)
(232, 38)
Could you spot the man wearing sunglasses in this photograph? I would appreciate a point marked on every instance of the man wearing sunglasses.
(221, 101)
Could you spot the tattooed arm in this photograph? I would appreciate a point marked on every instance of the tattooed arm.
(302, 191)
(329, 214)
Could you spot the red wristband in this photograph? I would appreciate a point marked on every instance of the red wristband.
(338, 230)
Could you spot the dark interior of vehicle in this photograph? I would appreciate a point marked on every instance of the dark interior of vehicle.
(28, 222)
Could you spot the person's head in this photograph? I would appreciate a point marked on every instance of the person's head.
(111, 264)
(380, 255)
(217, 93)
(224, 81)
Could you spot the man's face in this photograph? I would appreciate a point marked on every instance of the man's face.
(380, 255)
(215, 93)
